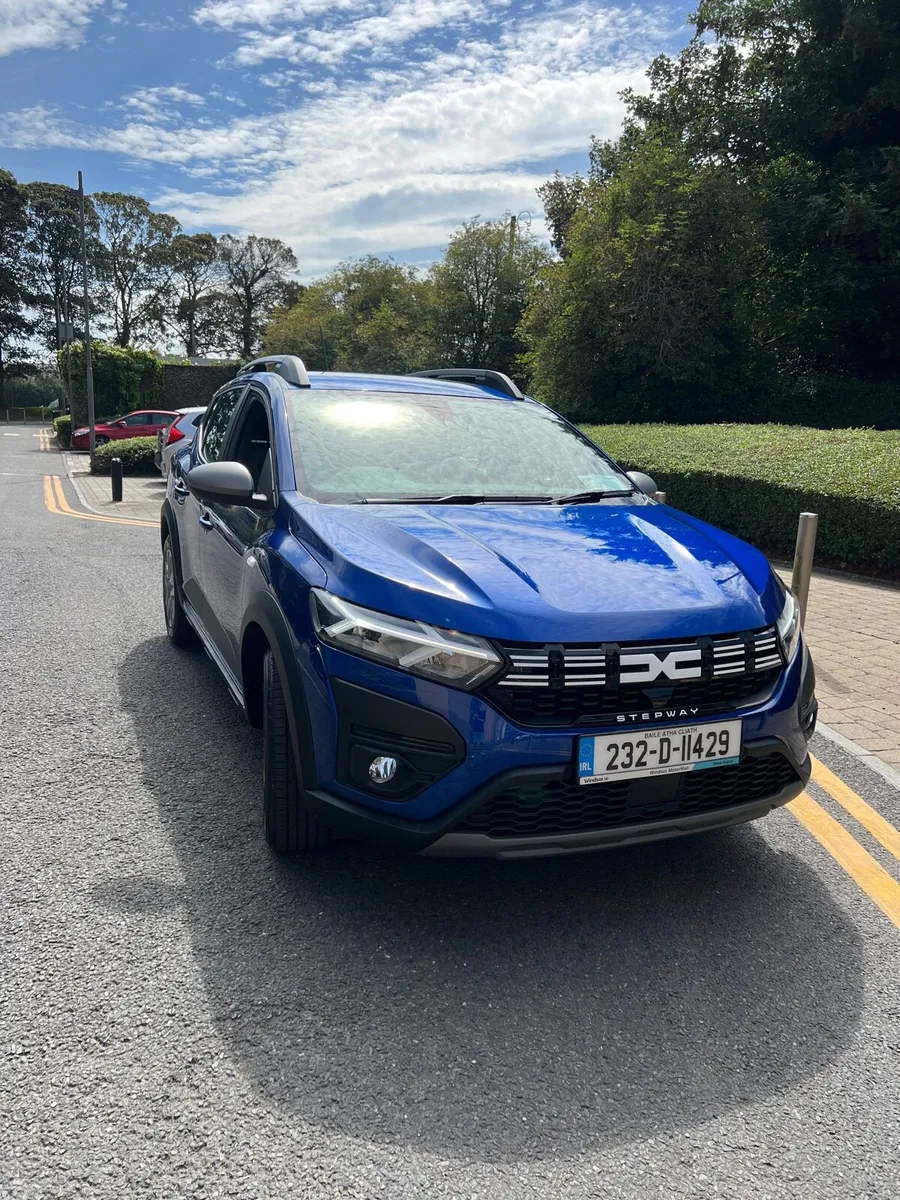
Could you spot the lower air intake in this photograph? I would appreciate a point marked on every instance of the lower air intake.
(561, 806)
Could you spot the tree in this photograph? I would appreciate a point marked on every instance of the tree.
(368, 315)
(651, 308)
(189, 308)
(481, 289)
(14, 323)
(53, 254)
(803, 97)
(133, 262)
(255, 273)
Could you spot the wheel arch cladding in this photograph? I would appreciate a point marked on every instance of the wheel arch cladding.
(266, 628)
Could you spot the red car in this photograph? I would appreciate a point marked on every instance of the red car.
(145, 423)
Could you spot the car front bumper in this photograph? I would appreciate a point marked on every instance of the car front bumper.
(502, 765)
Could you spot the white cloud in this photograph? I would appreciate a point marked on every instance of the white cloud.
(43, 25)
(231, 14)
(396, 160)
(150, 101)
(399, 22)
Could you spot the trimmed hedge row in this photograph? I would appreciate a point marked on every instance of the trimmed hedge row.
(63, 429)
(136, 455)
(124, 378)
(754, 480)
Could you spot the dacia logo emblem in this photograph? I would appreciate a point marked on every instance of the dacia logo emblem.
(643, 666)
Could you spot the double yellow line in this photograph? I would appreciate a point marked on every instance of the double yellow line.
(56, 502)
(45, 440)
(860, 865)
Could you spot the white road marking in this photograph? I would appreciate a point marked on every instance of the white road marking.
(10, 434)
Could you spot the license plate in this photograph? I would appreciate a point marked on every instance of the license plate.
(636, 752)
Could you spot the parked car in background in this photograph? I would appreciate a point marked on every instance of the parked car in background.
(176, 437)
(462, 627)
(143, 423)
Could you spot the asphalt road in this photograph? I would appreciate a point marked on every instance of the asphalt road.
(183, 1015)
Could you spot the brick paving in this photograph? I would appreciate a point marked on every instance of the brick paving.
(853, 630)
(852, 626)
(142, 495)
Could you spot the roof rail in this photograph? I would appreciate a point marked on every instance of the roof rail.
(288, 366)
(492, 379)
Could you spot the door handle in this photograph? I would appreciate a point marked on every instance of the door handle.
(205, 520)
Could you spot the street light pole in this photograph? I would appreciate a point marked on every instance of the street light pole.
(89, 371)
(69, 335)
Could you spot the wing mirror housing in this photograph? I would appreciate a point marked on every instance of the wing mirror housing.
(221, 483)
(643, 483)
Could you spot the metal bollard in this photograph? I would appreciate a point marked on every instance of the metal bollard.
(659, 497)
(115, 475)
(803, 559)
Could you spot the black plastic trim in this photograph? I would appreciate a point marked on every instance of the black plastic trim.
(265, 612)
(425, 745)
(353, 820)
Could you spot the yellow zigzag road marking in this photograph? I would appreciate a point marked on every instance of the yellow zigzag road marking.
(849, 854)
(55, 500)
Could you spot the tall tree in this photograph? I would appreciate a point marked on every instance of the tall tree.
(14, 322)
(133, 262)
(480, 292)
(189, 309)
(53, 253)
(255, 273)
(367, 315)
(803, 97)
(651, 307)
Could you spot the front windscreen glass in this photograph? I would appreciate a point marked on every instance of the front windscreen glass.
(353, 446)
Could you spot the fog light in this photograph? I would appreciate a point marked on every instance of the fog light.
(382, 769)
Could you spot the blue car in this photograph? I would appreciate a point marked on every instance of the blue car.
(463, 629)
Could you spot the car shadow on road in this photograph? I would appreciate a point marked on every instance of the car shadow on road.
(479, 1008)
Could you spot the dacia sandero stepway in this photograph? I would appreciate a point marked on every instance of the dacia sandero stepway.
(463, 628)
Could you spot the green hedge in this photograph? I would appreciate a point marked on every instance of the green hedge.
(136, 455)
(124, 379)
(63, 428)
(754, 480)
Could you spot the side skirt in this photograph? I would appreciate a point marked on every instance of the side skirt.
(234, 685)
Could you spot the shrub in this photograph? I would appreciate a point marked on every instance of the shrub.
(63, 428)
(754, 481)
(124, 378)
(136, 455)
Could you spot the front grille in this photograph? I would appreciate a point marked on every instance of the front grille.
(587, 685)
(562, 806)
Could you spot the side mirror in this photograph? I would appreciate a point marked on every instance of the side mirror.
(643, 483)
(221, 483)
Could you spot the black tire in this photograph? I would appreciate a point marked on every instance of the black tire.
(101, 440)
(178, 627)
(289, 827)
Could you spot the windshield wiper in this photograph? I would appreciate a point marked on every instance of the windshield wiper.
(459, 498)
(590, 497)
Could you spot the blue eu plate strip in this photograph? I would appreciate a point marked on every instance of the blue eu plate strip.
(586, 757)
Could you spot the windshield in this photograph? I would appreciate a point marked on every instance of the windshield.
(392, 446)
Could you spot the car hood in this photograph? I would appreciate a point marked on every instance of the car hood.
(618, 571)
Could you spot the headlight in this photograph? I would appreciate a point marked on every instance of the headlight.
(788, 625)
(443, 654)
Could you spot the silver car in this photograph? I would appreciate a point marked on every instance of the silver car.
(177, 437)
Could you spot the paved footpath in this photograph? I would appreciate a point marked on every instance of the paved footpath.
(183, 1015)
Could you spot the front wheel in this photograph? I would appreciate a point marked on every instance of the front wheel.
(100, 441)
(289, 826)
(178, 627)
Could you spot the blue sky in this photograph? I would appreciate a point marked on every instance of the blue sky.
(343, 126)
